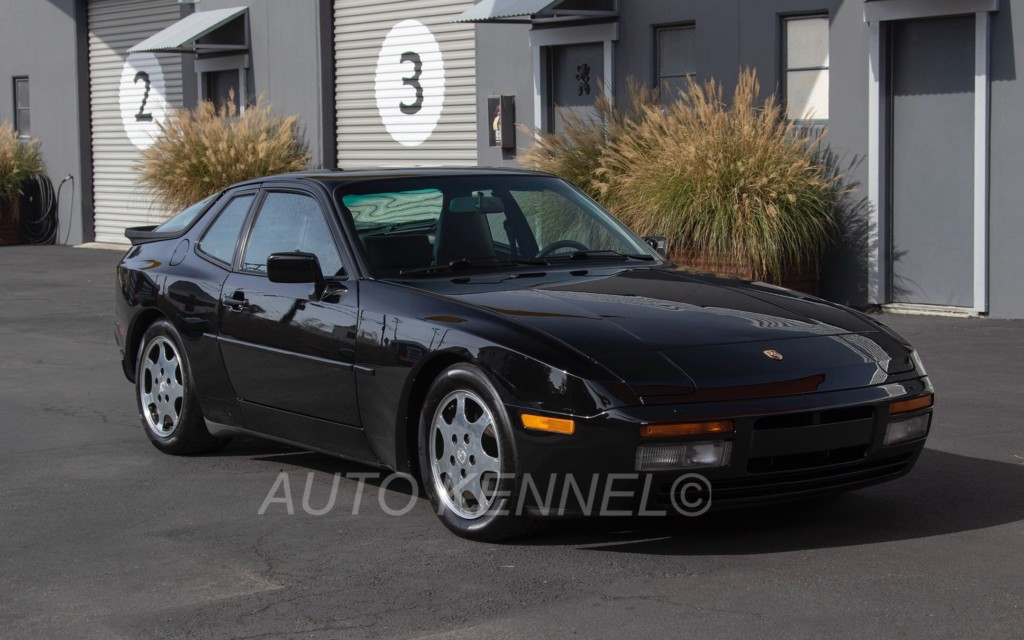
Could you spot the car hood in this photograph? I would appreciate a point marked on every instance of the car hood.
(667, 333)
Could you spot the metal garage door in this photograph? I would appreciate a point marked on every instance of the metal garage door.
(933, 161)
(405, 83)
(129, 94)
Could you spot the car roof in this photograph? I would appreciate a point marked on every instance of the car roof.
(339, 176)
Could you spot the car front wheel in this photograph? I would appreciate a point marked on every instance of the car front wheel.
(166, 396)
(467, 459)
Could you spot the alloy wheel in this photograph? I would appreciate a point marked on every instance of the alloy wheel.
(465, 454)
(162, 387)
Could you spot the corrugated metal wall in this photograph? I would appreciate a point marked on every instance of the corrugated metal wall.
(114, 27)
(367, 82)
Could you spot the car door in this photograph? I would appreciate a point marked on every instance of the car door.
(288, 348)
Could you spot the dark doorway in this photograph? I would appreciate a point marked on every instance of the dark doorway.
(575, 73)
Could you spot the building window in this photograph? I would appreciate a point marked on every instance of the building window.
(806, 63)
(674, 63)
(22, 121)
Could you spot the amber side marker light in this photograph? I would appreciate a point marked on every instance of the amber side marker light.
(551, 425)
(913, 404)
(686, 429)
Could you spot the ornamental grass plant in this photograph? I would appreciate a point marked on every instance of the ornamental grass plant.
(203, 150)
(575, 152)
(736, 187)
(19, 159)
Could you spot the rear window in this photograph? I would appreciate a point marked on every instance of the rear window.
(183, 219)
(394, 210)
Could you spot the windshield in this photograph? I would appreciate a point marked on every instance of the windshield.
(431, 224)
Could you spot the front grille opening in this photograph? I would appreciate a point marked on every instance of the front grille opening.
(807, 460)
(794, 483)
(811, 418)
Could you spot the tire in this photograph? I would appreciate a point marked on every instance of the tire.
(467, 457)
(166, 396)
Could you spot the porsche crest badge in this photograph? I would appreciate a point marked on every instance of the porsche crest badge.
(773, 354)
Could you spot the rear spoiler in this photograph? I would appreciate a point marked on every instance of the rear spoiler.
(142, 235)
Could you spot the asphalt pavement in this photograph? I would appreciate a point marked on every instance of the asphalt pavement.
(101, 536)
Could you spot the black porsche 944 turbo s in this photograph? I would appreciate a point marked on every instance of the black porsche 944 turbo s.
(501, 337)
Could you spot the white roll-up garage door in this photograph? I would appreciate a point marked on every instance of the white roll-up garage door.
(128, 95)
(405, 83)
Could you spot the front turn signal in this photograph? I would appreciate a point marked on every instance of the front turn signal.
(686, 429)
(551, 425)
(913, 404)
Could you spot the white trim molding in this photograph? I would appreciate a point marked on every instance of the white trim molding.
(910, 9)
(981, 159)
(606, 33)
(875, 13)
(877, 260)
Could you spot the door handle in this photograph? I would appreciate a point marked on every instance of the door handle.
(236, 301)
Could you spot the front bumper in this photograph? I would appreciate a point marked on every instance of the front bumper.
(782, 449)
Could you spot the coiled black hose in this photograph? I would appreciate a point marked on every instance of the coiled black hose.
(38, 206)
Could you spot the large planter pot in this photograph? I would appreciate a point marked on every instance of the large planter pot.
(9, 231)
(805, 280)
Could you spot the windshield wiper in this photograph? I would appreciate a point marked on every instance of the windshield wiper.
(466, 263)
(609, 254)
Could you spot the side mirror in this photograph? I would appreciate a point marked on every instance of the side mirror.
(658, 243)
(295, 268)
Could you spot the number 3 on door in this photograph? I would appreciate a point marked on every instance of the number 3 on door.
(410, 83)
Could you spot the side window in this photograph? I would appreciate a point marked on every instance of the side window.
(291, 222)
(499, 232)
(220, 239)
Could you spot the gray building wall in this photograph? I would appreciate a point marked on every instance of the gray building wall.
(716, 31)
(43, 39)
(47, 40)
(291, 56)
(504, 66)
(733, 33)
(844, 274)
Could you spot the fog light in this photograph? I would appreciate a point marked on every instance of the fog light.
(663, 457)
(904, 430)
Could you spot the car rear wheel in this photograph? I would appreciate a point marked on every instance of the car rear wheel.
(165, 393)
(467, 459)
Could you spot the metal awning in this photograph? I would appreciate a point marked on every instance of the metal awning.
(533, 10)
(183, 35)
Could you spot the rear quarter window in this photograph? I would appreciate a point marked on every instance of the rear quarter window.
(221, 238)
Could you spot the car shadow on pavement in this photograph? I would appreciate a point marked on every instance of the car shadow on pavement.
(331, 465)
(944, 493)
